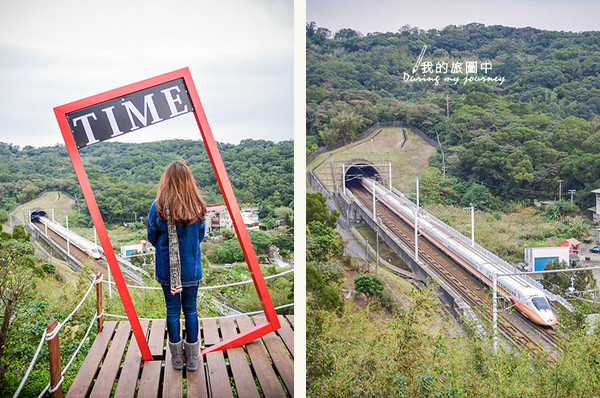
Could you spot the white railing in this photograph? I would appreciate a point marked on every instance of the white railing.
(484, 251)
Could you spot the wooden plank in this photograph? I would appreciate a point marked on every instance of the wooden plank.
(218, 379)
(280, 357)
(150, 380)
(83, 381)
(131, 367)
(111, 364)
(240, 368)
(173, 379)
(269, 383)
(196, 381)
(290, 318)
(286, 333)
(211, 332)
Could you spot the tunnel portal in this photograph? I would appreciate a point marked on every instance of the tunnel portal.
(358, 168)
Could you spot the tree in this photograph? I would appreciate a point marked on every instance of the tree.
(261, 241)
(478, 195)
(284, 242)
(345, 125)
(317, 210)
(322, 242)
(369, 284)
(558, 282)
(20, 234)
(16, 272)
(320, 295)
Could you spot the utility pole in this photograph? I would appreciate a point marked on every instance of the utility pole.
(344, 178)
(367, 254)
(377, 248)
(390, 181)
(495, 312)
(572, 191)
(472, 224)
(416, 225)
(560, 189)
(68, 247)
(374, 210)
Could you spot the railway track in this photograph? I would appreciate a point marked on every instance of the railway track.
(512, 325)
(100, 265)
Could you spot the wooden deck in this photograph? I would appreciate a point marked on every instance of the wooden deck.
(113, 366)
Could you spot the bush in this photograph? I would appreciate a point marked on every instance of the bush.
(48, 268)
(284, 242)
(331, 272)
(369, 284)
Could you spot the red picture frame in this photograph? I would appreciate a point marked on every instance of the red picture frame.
(61, 112)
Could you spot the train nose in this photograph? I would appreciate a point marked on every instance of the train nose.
(549, 318)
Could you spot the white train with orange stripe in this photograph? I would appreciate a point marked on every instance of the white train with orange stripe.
(74, 239)
(530, 300)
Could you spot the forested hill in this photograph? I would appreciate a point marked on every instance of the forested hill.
(517, 138)
(125, 176)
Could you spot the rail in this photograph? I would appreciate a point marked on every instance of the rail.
(209, 318)
(490, 255)
(52, 331)
(47, 336)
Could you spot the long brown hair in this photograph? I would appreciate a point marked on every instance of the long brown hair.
(178, 187)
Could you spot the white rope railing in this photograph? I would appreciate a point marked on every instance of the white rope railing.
(62, 373)
(210, 287)
(49, 336)
(206, 319)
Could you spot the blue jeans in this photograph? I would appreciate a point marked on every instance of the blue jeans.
(175, 302)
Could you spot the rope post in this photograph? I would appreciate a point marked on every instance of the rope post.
(55, 371)
(99, 301)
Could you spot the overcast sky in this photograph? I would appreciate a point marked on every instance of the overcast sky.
(390, 15)
(239, 52)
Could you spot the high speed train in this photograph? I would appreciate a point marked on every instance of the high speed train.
(529, 300)
(74, 239)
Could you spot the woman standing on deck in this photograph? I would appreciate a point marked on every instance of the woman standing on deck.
(176, 228)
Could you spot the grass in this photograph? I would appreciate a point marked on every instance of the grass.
(407, 162)
(385, 251)
(56, 200)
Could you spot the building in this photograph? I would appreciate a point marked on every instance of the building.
(250, 217)
(536, 258)
(596, 209)
(572, 244)
(218, 219)
(128, 250)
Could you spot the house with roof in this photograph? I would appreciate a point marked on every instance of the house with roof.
(572, 244)
(218, 219)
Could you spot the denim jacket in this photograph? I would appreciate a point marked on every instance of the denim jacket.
(189, 237)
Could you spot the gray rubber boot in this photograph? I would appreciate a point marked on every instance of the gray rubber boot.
(176, 354)
(192, 361)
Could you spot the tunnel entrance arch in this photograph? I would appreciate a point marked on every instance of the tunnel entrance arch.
(355, 169)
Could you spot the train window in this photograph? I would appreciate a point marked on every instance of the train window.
(94, 250)
(540, 303)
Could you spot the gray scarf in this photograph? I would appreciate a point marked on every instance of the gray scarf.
(174, 260)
